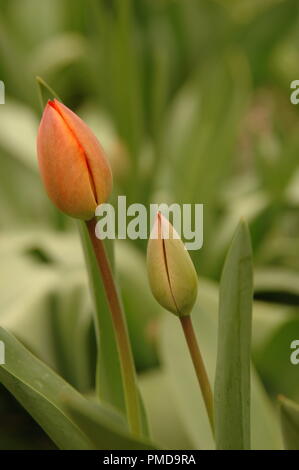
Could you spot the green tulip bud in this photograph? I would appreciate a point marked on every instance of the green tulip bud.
(172, 275)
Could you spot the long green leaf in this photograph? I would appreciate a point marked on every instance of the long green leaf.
(90, 418)
(166, 425)
(71, 421)
(232, 383)
(40, 391)
(185, 393)
(289, 414)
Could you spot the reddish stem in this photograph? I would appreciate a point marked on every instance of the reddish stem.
(120, 330)
(199, 367)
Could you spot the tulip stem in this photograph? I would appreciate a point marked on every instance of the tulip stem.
(120, 331)
(199, 367)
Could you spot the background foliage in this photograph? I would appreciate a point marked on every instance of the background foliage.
(191, 102)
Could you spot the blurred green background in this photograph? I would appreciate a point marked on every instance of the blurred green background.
(191, 100)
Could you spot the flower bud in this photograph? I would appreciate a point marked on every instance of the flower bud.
(172, 276)
(73, 166)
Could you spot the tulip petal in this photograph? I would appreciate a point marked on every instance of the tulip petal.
(182, 275)
(63, 167)
(157, 271)
(99, 169)
(172, 276)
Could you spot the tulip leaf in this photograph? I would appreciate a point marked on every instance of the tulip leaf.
(18, 134)
(70, 420)
(25, 287)
(89, 416)
(133, 278)
(232, 382)
(40, 391)
(281, 283)
(179, 370)
(289, 415)
(274, 345)
(166, 425)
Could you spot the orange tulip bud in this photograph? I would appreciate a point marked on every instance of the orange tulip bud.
(73, 165)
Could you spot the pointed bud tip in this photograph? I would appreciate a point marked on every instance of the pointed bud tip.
(172, 276)
(51, 103)
(73, 165)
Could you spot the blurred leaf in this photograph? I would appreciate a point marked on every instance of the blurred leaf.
(165, 423)
(177, 364)
(49, 14)
(289, 415)
(202, 148)
(200, 143)
(41, 392)
(12, 61)
(279, 171)
(61, 249)
(265, 31)
(142, 310)
(276, 349)
(23, 292)
(17, 210)
(18, 133)
(53, 255)
(40, 309)
(57, 407)
(277, 285)
(57, 52)
(114, 29)
(242, 199)
(69, 309)
(265, 432)
(172, 82)
(232, 383)
(18, 430)
(268, 318)
(92, 421)
(19, 169)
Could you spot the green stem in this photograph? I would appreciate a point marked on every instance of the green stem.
(199, 367)
(120, 330)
